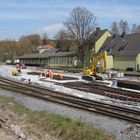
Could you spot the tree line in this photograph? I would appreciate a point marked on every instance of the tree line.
(10, 49)
(123, 27)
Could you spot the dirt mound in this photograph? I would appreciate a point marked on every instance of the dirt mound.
(14, 126)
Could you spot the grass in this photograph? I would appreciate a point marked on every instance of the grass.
(59, 126)
(132, 73)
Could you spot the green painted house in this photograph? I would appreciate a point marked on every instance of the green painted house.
(125, 50)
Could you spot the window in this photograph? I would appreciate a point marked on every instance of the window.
(54, 60)
(109, 50)
(62, 61)
(68, 60)
(122, 47)
(138, 67)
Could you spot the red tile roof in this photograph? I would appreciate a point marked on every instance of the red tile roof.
(48, 46)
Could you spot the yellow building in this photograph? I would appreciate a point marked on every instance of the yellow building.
(98, 38)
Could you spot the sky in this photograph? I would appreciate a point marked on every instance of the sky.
(25, 17)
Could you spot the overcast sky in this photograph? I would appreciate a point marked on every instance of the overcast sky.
(23, 17)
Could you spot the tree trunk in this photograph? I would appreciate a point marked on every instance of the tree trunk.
(81, 54)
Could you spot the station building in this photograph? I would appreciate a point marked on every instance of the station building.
(50, 57)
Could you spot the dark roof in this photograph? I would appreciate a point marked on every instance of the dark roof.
(65, 53)
(96, 35)
(126, 45)
(48, 54)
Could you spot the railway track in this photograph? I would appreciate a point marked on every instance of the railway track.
(129, 84)
(72, 101)
(104, 90)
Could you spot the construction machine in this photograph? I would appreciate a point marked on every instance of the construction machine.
(92, 73)
(15, 72)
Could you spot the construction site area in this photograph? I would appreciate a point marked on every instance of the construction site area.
(69, 70)
(111, 95)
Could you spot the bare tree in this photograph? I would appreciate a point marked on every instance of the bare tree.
(123, 27)
(45, 39)
(65, 41)
(114, 28)
(80, 25)
(134, 28)
(138, 29)
(35, 40)
(25, 45)
(8, 49)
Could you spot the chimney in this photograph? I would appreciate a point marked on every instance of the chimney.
(97, 30)
(123, 34)
(114, 35)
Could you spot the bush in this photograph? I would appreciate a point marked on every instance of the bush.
(130, 69)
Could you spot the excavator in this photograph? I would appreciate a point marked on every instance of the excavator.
(91, 73)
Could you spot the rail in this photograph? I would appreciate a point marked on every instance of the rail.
(72, 101)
